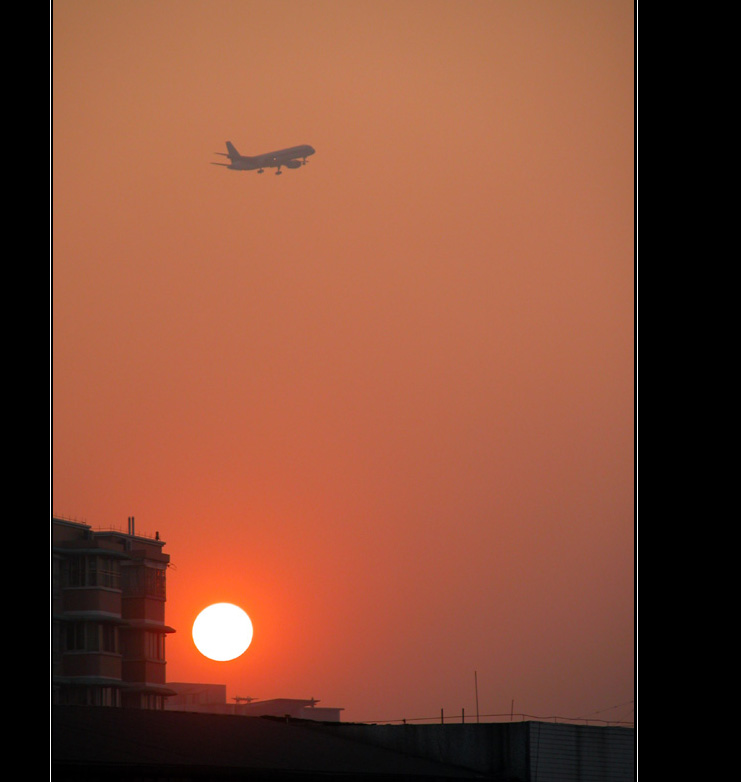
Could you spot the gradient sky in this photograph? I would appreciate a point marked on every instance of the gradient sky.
(383, 402)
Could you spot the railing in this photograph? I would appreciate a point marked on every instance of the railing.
(137, 534)
(108, 528)
(461, 717)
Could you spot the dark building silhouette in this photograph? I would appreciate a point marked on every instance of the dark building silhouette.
(121, 745)
(108, 617)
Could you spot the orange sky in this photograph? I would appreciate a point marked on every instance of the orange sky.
(383, 402)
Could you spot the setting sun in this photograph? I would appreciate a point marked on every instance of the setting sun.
(222, 632)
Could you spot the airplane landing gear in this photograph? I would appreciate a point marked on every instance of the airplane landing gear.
(278, 172)
(260, 170)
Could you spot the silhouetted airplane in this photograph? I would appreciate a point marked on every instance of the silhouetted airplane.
(293, 157)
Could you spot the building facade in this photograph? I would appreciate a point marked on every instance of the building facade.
(108, 617)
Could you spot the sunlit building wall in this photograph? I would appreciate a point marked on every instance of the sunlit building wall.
(108, 617)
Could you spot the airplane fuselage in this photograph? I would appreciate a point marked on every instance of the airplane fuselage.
(292, 157)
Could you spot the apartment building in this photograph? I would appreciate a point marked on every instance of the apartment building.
(108, 617)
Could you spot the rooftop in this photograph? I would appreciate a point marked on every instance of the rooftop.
(121, 744)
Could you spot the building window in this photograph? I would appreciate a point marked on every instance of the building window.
(108, 573)
(156, 582)
(91, 576)
(144, 582)
(154, 646)
(88, 570)
(154, 702)
(108, 638)
(56, 643)
(75, 572)
(55, 578)
(89, 696)
(91, 637)
(75, 637)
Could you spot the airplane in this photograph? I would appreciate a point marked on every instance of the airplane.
(293, 157)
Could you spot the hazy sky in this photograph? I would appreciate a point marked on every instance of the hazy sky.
(383, 402)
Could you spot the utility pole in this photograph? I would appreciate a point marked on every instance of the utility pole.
(476, 686)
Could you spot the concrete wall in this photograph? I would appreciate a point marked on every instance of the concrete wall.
(87, 664)
(486, 748)
(526, 751)
(98, 599)
(581, 752)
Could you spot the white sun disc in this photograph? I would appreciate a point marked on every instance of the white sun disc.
(222, 632)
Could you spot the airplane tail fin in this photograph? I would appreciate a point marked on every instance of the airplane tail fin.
(232, 150)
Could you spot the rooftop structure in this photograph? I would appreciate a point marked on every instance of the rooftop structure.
(211, 699)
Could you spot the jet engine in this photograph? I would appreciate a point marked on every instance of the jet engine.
(293, 164)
